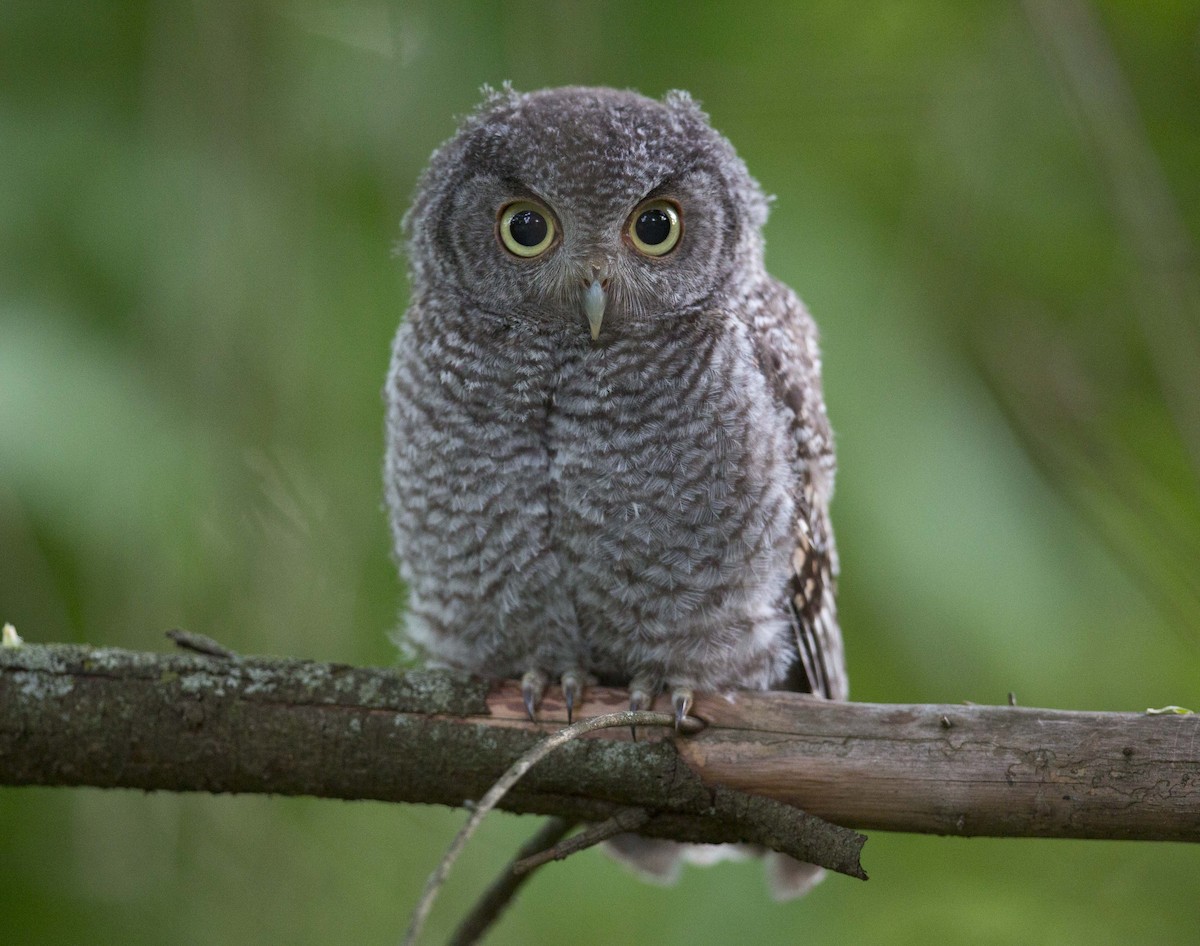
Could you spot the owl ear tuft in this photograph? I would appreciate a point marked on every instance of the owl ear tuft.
(680, 100)
(493, 97)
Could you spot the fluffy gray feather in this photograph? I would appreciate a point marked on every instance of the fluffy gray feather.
(642, 497)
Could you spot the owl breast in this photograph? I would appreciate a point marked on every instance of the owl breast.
(624, 508)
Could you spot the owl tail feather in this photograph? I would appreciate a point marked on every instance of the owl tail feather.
(661, 862)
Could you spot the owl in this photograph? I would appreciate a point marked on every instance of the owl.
(608, 456)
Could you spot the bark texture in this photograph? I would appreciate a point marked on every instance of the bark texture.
(72, 715)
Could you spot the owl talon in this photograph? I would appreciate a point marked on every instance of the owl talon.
(533, 685)
(572, 687)
(635, 704)
(681, 699)
(641, 696)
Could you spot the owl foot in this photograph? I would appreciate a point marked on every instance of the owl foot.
(641, 696)
(572, 688)
(533, 685)
(681, 699)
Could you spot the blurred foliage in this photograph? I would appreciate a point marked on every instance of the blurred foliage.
(987, 206)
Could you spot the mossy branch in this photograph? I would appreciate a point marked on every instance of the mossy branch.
(72, 715)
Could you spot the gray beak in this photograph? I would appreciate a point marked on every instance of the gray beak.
(594, 300)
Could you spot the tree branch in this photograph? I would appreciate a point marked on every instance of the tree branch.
(74, 715)
(627, 819)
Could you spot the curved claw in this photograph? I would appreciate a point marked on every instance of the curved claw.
(636, 702)
(533, 685)
(641, 696)
(681, 699)
(572, 687)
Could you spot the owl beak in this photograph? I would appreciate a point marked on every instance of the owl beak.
(594, 300)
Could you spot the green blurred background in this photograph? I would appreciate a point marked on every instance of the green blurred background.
(989, 209)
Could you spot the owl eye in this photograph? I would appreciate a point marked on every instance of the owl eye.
(655, 227)
(525, 228)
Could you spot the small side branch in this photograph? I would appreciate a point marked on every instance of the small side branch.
(627, 819)
(187, 722)
(503, 786)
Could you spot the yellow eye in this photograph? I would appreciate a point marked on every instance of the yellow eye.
(655, 227)
(525, 228)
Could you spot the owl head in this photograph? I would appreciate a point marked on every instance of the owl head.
(601, 209)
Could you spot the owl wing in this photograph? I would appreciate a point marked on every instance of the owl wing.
(786, 344)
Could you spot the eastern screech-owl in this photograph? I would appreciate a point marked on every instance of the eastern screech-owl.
(608, 455)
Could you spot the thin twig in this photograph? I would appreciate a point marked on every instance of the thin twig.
(504, 888)
(506, 781)
(627, 819)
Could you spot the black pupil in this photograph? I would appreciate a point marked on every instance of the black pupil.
(528, 227)
(653, 227)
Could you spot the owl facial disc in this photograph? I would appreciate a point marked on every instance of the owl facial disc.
(594, 300)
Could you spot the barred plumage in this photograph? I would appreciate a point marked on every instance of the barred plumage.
(608, 461)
